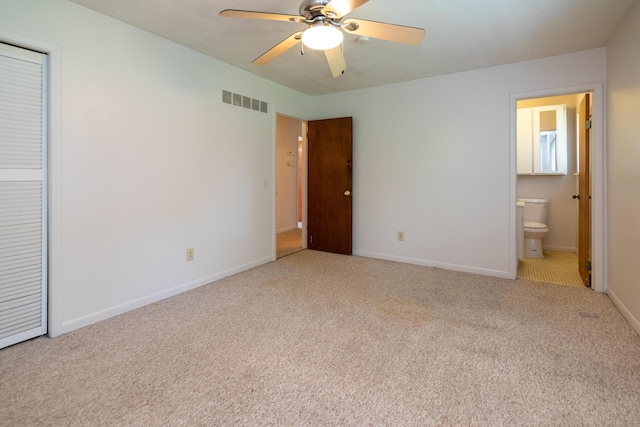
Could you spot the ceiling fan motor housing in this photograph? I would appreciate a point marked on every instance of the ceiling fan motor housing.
(312, 9)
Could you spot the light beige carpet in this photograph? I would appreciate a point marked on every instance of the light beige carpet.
(317, 339)
(560, 268)
(288, 242)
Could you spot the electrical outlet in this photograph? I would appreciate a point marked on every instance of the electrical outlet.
(190, 254)
(400, 236)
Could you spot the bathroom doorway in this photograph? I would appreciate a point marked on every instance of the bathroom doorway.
(555, 175)
(290, 189)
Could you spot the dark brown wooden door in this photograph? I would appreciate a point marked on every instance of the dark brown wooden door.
(584, 192)
(330, 185)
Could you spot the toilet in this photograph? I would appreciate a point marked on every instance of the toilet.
(535, 226)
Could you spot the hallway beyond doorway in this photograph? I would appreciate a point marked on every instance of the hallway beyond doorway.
(288, 242)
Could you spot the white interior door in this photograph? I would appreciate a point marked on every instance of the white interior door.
(23, 189)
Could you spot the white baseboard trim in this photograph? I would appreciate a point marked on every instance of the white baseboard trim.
(428, 263)
(635, 323)
(282, 230)
(89, 319)
(559, 248)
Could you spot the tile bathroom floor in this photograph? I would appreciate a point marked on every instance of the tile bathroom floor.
(560, 268)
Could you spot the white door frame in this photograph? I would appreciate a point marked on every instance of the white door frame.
(598, 177)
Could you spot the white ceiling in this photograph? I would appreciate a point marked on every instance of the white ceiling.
(460, 35)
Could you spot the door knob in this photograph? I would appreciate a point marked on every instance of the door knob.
(347, 193)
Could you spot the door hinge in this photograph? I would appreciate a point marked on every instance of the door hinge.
(587, 124)
(587, 266)
(311, 238)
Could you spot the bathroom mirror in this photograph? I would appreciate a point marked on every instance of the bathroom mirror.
(542, 140)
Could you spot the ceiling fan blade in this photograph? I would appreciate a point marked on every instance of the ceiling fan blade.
(381, 30)
(335, 58)
(278, 49)
(338, 8)
(248, 14)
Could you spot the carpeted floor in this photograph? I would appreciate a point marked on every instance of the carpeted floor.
(288, 242)
(560, 268)
(323, 339)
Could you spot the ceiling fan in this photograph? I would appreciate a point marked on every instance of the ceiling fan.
(324, 30)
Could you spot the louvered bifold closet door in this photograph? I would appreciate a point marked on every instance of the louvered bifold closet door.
(22, 195)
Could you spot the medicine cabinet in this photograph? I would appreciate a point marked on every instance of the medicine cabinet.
(542, 140)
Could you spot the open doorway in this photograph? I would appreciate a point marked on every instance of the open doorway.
(290, 188)
(548, 154)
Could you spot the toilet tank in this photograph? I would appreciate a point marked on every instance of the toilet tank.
(535, 210)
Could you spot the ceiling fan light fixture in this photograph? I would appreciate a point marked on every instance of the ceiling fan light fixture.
(322, 37)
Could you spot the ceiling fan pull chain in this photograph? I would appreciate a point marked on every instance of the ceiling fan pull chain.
(342, 55)
(301, 48)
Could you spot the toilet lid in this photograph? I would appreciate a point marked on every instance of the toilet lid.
(534, 225)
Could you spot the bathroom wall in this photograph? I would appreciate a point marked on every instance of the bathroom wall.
(287, 133)
(562, 218)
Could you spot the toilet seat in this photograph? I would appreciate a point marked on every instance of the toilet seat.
(535, 225)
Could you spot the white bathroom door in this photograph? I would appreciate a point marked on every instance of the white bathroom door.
(23, 189)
